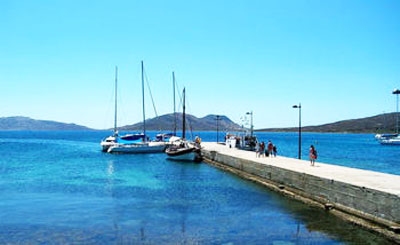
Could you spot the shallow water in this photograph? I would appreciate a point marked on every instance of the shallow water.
(58, 187)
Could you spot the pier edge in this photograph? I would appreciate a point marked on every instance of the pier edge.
(384, 227)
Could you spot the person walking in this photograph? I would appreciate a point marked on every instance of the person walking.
(274, 150)
(313, 155)
(262, 149)
(270, 148)
(258, 146)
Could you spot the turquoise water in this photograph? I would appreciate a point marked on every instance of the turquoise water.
(59, 188)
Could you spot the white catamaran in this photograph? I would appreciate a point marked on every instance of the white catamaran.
(132, 143)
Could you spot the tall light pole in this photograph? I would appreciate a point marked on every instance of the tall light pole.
(251, 122)
(299, 107)
(397, 92)
(218, 118)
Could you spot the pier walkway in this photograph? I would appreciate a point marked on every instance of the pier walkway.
(370, 199)
(380, 181)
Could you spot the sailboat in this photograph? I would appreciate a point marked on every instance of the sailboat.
(180, 148)
(132, 143)
(391, 139)
(113, 139)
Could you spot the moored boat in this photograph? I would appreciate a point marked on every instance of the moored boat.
(181, 149)
(140, 147)
(131, 143)
(113, 139)
(391, 139)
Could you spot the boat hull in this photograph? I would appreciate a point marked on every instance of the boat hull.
(184, 154)
(108, 142)
(151, 147)
(388, 139)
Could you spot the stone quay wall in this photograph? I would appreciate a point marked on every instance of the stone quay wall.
(372, 209)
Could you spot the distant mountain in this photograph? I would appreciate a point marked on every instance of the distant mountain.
(26, 123)
(383, 123)
(166, 122)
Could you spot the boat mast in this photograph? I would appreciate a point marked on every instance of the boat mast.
(183, 117)
(173, 85)
(144, 115)
(115, 102)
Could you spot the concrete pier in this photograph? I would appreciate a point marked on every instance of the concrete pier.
(366, 198)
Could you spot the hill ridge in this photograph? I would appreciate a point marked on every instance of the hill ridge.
(382, 123)
(167, 121)
(26, 123)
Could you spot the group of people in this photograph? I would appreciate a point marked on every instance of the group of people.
(266, 150)
(270, 150)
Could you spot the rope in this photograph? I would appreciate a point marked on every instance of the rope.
(151, 95)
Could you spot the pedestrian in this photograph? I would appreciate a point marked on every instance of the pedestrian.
(274, 150)
(262, 152)
(197, 141)
(313, 155)
(261, 149)
(270, 148)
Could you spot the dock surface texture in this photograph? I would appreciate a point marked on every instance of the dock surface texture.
(366, 198)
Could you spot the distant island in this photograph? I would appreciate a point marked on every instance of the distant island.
(25, 123)
(383, 123)
(167, 122)
(164, 123)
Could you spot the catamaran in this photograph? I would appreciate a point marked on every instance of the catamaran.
(113, 139)
(132, 143)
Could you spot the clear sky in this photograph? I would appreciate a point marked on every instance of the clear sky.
(339, 59)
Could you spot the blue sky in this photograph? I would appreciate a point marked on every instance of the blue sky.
(339, 59)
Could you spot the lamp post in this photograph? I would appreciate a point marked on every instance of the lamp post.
(251, 122)
(299, 107)
(218, 118)
(397, 92)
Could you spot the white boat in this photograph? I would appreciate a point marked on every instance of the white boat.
(111, 140)
(181, 149)
(388, 139)
(241, 141)
(108, 142)
(140, 147)
(132, 143)
(391, 139)
(384, 136)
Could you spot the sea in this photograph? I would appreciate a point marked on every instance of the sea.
(57, 187)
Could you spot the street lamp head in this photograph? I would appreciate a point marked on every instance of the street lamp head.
(299, 107)
(396, 91)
